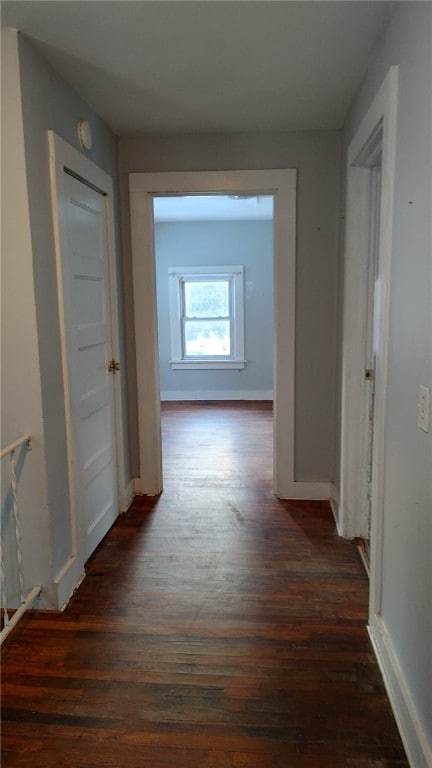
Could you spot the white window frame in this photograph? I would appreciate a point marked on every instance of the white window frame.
(234, 275)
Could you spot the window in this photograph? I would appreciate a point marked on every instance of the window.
(206, 317)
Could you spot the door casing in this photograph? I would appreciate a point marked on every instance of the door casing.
(64, 156)
(282, 184)
(379, 121)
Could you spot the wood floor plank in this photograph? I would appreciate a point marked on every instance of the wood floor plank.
(217, 626)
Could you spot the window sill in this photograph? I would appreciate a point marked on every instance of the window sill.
(207, 365)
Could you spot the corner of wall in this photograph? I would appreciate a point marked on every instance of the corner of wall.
(334, 504)
(21, 385)
(407, 718)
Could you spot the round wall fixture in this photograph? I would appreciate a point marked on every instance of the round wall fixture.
(85, 134)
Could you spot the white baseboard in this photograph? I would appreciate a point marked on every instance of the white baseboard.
(303, 491)
(334, 503)
(215, 394)
(140, 490)
(126, 495)
(414, 738)
(137, 486)
(71, 575)
(67, 580)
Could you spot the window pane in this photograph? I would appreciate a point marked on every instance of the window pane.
(207, 338)
(206, 299)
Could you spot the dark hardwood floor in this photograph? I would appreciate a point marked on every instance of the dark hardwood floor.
(217, 627)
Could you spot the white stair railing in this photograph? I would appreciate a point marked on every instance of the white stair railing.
(25, 601)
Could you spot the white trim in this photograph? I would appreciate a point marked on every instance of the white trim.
(234, 275)
(67, 579)
(137, 485)
(216, 394)
(389, 113)
(382, 110)
(306, 490)
(281, 184)
(62, 155)
(410, 727)
(384, 107)
(147, 355)
(127, 496)
(334, 504)
(56, 173)
(208, 365)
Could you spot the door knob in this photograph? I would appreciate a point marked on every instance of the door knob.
(113, 366)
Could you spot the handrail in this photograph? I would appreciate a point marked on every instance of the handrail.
(25, 600)
(16, 444)
(27, 603)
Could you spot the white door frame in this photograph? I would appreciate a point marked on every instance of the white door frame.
(382, 112)
(63, 156)
(282, 184)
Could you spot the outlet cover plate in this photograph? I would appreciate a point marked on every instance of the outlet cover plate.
(423, 407)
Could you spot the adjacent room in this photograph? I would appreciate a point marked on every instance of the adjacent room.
(212, 241)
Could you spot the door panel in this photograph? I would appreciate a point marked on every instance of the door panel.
(372, 335)
(92, 386)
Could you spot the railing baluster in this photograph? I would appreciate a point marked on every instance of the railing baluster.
(17, 530)
(25, 601)
(3, 589)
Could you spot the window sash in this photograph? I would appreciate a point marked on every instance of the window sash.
(197, 319)
(233, 275)
(201, 320)
(223, 279)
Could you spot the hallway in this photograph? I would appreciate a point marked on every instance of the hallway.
(217, 627)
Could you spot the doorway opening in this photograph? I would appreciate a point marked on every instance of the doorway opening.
(215, 296)
(281, 184)
(215, 306)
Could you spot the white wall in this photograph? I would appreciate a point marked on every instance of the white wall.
(249, 243)
(406, 646)
(317, 156)
(21, 396)
(37, 100)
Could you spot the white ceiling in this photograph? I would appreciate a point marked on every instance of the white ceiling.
(170, 67)
(213, 208)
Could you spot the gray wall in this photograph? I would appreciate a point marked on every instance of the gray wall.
(407, 551)
(249, 243)
(49, 103)
(21, 397)
(317, 156)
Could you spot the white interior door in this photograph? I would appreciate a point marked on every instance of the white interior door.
(372, 340)
(90, 353)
